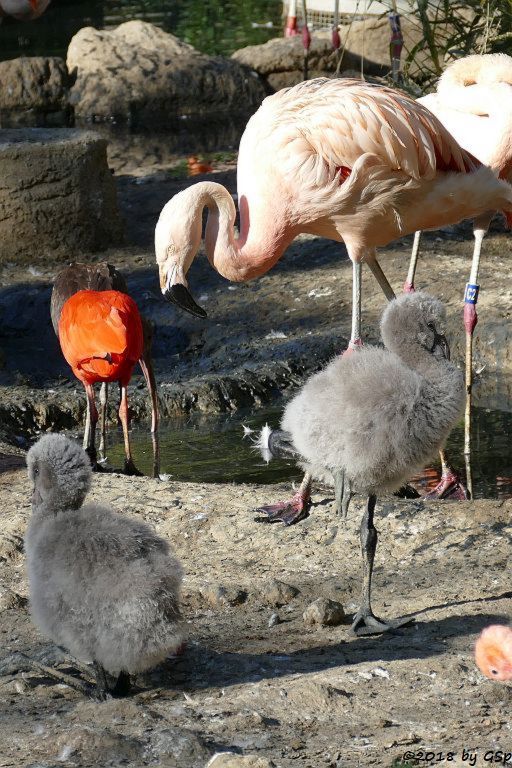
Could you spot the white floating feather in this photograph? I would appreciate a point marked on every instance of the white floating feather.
(263, 443)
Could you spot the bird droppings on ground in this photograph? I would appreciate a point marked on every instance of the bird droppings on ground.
(287, 692)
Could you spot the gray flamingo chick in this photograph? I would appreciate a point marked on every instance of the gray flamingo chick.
(371, 419)
(102, 585)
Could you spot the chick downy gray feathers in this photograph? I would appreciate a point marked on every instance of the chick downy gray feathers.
(103, 585)
(67, 472)
(381, 414)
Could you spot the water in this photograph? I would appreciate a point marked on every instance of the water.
(212, 450)
(212, 26)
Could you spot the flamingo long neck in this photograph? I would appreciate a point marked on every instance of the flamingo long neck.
(264, 235)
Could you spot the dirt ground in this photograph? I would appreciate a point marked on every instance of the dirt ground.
(287, 692)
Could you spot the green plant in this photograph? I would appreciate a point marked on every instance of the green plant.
(451, 29)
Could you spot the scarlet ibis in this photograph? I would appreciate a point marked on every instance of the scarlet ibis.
(100, 334)
(105, 277)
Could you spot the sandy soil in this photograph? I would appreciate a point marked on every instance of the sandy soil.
(289, 693)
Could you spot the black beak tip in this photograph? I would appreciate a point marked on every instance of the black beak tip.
(181, 296)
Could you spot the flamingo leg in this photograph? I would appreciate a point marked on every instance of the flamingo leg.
(355, 334)
(91, 419)
(365, 622)
(293, 510)
(146, 365)
(409, 282)
(129, 466)
(480, 227)
(103, 419)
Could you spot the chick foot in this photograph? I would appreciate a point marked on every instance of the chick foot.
(449, 487)
(288, 512)
(366, 623)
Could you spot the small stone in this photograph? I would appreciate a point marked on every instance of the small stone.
(325, 612)
(218, 595)
(274, 619)
(279, 593)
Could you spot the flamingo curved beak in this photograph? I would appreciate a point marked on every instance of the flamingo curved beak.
(180, 295)
(175, 290)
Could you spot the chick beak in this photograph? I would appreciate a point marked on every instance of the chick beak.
(175, 291)
(441, 342)
(280, 444)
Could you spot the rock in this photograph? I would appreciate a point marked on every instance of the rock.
(84, 745)
(217, 595)
(35, 92)
(327, 613)
(279, 593)
(280, 61)
(57, 195)
(232, 760)
(139, 74)
(177, 748)
(274, 619)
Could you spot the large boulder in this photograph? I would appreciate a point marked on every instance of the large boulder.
(34, 92)
(57, 195)
(139, 74)
(365, 44)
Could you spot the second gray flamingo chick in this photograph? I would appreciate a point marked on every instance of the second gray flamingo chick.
(371, 419)
(102, 585)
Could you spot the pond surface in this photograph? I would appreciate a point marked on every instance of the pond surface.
(213, 450)
(213, 26)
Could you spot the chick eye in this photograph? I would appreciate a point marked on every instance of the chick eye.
(494, 671)
(36, 471)
(431, 326)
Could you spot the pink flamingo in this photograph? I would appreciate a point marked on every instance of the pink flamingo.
(343, 159)
(474, 102)
(23, 10)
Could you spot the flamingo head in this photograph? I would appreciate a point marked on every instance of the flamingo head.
(177, 240)
(493, 652)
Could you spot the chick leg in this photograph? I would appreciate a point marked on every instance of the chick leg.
(129, 466)
(123, 685)
(365, 622)
(293, 510)
(342, 495)
(102, 687)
